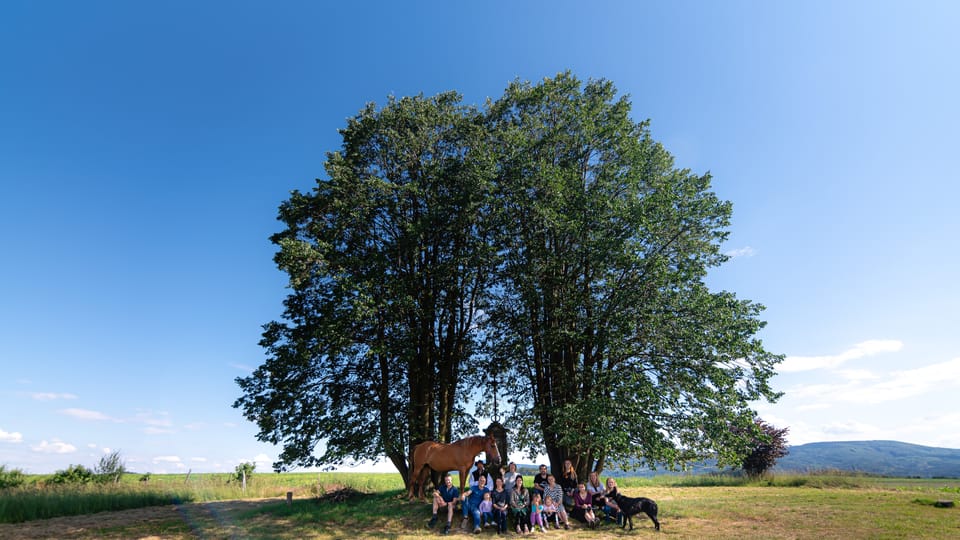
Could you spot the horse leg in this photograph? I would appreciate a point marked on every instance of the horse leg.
(422, 479)
(414, 475)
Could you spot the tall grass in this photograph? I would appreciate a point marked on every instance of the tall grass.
(37, 499)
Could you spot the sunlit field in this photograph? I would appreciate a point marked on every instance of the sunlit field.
(347, 505)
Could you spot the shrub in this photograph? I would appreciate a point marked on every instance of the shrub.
(10, 478)
(74, 474)
(768, 447)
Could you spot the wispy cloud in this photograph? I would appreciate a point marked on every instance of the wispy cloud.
(10, 437)
(166, 459)
(54, 447)
(860, 350)
(741, 252)
(85, 414)
(891, 387)
(51, 396)
(243, 367)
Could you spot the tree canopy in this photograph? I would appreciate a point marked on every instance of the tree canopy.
(547, 241)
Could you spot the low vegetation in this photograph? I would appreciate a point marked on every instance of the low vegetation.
(339, 505)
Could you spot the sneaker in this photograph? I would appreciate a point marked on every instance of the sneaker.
(433, 521)
(446, 529)
(566, 526)
(476, 530)
(463, 524)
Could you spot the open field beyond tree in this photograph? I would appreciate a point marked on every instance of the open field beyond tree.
(345, 505)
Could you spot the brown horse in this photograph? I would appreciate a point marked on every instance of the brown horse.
(442, 458)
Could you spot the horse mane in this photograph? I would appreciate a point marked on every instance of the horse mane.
(469, 440)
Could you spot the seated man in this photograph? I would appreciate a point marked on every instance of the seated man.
(540, 481)
(471, 503)
(445, 497)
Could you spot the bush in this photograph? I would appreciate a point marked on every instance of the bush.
(74, 474)
(768, 447)
(11, 478)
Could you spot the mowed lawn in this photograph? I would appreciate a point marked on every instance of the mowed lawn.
(814, 508)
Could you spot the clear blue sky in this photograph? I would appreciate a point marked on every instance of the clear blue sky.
(145, 147)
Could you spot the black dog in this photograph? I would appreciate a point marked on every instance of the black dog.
(630, 506)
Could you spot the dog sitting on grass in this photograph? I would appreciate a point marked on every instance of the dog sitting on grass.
(631, 506)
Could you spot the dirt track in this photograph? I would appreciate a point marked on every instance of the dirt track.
(214, 519)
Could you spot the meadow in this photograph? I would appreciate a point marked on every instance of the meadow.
(360, 505)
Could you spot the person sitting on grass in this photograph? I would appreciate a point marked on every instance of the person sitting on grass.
(471, 503)
(536, 512)
(550, 513)
(486, 510)
(555, 492)
(583, 507)
(610, 507)
(444, 497)
(520, 506)
(501, 505)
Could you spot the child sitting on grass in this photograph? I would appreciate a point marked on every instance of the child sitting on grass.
(486, 511)
(536, 512)
(554, 511)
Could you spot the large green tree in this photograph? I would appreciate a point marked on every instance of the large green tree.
(388, 261)
(618, 351)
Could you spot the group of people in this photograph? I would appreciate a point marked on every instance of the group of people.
(544, 505)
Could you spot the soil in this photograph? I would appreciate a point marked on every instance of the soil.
(151, 523)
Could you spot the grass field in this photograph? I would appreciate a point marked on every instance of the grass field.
(785, 506)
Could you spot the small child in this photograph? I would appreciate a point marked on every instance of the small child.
(550, 512)
(486, 510)
(536, 512)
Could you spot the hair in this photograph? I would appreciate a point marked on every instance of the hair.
(486, 494)
(536, 495)
(512, 464)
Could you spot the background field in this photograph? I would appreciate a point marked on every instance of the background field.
(375, 506)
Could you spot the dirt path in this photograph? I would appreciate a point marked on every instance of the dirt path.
(212, 520)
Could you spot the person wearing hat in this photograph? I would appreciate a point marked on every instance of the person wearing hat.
(478, 472)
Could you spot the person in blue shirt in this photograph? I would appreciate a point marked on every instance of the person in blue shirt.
(444, 497)
(471, 502)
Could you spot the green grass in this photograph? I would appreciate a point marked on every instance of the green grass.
(814, 506)
(36, 500)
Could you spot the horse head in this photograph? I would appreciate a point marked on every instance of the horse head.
(493, 453)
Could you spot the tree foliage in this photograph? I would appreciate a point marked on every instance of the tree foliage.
(388, 266)
(547, 241)
(110, 468)
(623, 352)
(769, 444)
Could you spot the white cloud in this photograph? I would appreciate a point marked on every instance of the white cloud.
(166, 459)
(51, 396)
(891, 387)
(54, 447)
(84, 414)
(860, 350)
(198, 459)
(741, 252)
(903, 384)
(151, 430)
(10, 437)
(106, 450)
(243, 367)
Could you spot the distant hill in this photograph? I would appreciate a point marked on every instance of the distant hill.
(886, 458)
(881, 458)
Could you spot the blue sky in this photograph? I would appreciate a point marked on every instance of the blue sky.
(145, 147)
